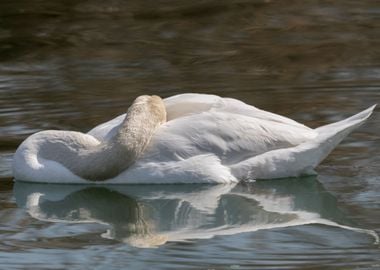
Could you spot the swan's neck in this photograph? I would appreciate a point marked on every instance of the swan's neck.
(143, 118)
(108, 159)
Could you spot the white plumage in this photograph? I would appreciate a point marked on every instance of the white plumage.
(206, 139)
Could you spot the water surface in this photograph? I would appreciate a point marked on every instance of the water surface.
(72, 65)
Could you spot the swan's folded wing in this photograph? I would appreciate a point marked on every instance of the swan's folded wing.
(239, 107)
(231, 137)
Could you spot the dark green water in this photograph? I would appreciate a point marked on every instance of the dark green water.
(74, 64)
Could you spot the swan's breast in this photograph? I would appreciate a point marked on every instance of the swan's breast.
(46, 151)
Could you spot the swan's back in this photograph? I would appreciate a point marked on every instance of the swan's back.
(185, 104)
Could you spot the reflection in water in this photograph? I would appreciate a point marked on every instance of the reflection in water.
(148, 216)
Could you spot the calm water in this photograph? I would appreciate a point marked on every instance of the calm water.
(74, 64)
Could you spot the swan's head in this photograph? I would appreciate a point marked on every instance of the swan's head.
(154, 107)
(158, 108)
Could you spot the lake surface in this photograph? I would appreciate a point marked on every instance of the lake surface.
(74, 64)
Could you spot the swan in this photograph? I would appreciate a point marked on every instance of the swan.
(186, 138)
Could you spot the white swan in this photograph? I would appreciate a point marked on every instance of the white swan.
(206, 139)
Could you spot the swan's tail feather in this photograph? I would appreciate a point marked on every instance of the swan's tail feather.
(329, 136)
(301, 159)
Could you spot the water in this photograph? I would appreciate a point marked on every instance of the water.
(72, 65)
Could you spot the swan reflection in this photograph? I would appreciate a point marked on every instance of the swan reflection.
(151, 215)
